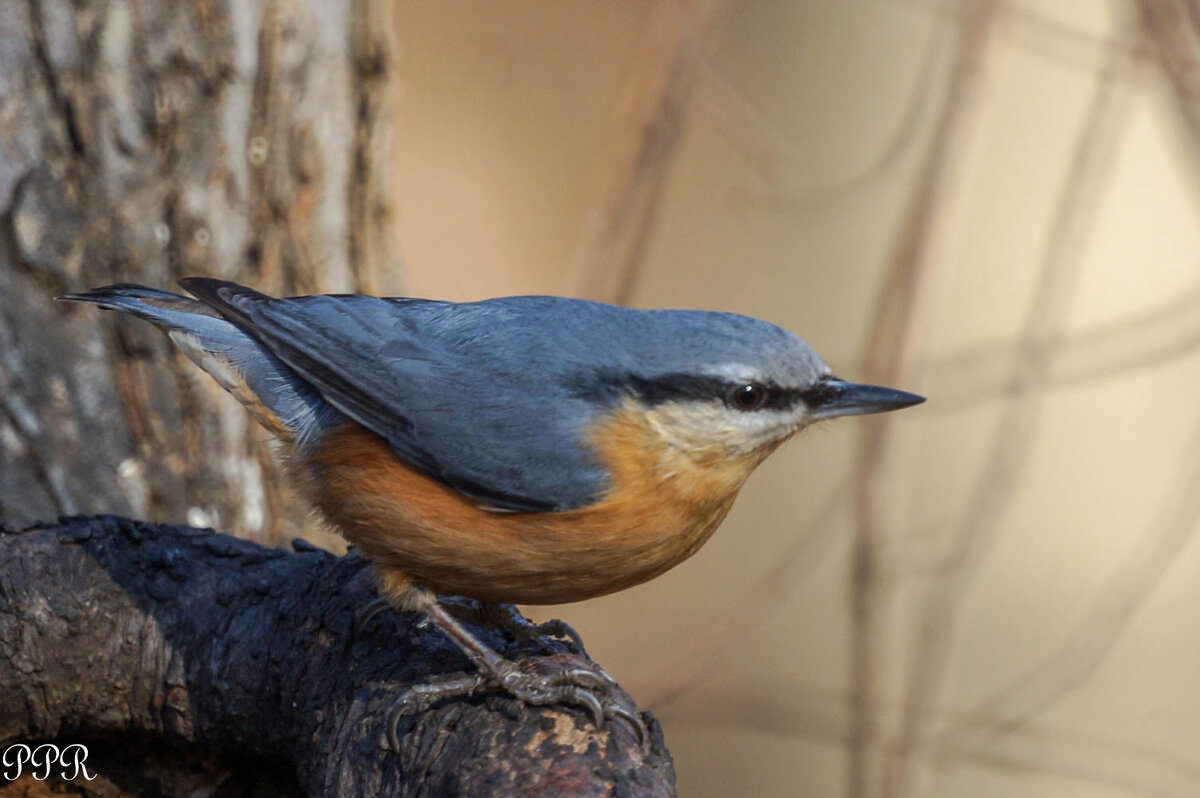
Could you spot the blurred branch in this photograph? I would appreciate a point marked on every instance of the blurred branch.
(1044, 36)
(722, 637)
(1172, 31)
(889, 353)
(1074, 662)
(818, 716)
(1171, 28)
(1174, 27)
(738, 117)
(1140, 341)
(940, 614)
(741, 121)
(736, 114)
(646, 129)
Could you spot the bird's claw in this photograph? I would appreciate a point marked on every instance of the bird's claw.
(509, 618)
(367, 613)
(581, 687)
(421, 697)
(618, 712)
(556, 627)
(601, 710)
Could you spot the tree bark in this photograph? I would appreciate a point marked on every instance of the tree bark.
(183, 657)
(142, 141)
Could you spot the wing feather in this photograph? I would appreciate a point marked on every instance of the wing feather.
(394, 367)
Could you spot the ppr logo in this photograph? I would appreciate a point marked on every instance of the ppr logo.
(47, 758)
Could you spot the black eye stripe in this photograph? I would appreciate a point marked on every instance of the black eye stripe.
(685, 387)
(821, 393)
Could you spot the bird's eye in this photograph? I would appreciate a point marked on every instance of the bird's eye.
(750, 396)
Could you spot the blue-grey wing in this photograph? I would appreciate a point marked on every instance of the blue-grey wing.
(447, 386)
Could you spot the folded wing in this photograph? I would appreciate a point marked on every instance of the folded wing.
(447, 385)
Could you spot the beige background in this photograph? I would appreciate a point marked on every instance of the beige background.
(1029, 618)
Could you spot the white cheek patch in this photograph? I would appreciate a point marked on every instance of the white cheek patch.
(701, 427)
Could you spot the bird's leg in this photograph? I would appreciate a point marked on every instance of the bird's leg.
(505, 616)
(394, 588)
(565, 685)
(510, 619)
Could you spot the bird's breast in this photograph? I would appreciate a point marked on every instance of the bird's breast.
(661, 505)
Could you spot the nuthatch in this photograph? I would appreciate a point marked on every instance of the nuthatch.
(530, 449)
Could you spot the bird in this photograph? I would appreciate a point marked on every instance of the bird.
(515, 450)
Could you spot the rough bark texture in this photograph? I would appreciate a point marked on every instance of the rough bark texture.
(209, 660)
(143, 141)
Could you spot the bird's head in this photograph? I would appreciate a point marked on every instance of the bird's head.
(720, 385)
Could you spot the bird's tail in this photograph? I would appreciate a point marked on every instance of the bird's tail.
(278, 398)
(161, 307)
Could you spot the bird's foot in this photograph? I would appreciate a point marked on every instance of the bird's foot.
(509, 618)
(537, 681)
(591, 689)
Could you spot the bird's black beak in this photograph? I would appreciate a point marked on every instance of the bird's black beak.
(832, 397)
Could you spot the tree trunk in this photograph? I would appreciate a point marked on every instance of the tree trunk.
(142, 141)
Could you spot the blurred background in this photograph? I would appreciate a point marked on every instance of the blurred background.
(989, 202)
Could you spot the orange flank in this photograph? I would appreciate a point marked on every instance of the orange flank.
(261, 413)
(661, 506)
